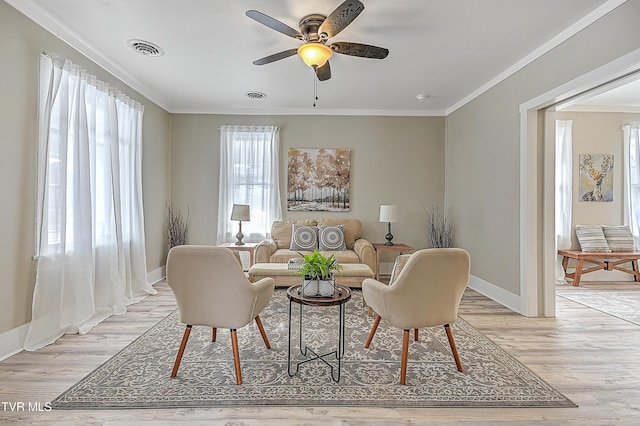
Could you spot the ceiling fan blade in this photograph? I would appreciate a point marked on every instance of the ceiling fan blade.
(361, 50)
(275, 57)
(340, 18)
(274, 24)
(324, 72)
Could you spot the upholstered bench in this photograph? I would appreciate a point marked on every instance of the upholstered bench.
(351, 274)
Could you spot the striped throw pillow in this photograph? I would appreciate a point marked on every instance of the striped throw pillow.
(619, 238)
(591, 238)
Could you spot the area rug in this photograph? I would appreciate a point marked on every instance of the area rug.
(138, 376)
(620, 304)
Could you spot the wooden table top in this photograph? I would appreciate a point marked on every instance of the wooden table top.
(341, 295)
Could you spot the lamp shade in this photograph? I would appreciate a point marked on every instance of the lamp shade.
(315, 54)
(388, 213)
(240, 212)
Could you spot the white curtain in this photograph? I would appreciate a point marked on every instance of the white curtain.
(563, 192)
(631, 135)
(90, 237)
(249, 174)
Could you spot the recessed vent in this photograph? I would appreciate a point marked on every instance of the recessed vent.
(146, 48)
(256, 95)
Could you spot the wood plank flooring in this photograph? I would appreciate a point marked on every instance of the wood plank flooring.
(589, 356)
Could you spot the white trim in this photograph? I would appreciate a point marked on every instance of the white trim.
(533, 281)
(492, 291)
(157, 275)
(583, 23)
(12, 341)
(298, 111)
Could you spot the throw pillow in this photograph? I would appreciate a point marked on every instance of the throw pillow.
(331, 238)
(304, 238)
(619, 238)
(591, 238)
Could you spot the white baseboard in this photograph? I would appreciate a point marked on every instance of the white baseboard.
(492, 291)
(157, 275)
(12, 341)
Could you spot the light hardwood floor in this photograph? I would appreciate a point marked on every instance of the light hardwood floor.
(589, 356)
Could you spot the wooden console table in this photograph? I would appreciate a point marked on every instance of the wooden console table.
(382, 248)
(604, 261)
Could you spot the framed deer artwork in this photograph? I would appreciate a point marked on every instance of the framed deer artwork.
(596, 177)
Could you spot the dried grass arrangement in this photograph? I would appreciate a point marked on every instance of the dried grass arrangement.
(176, 226)
(440, 228)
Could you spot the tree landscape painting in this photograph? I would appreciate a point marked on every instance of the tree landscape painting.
(318, 179)
(596, 177)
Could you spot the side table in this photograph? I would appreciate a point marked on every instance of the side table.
(395, 248)
(341, 296)
(250, 247)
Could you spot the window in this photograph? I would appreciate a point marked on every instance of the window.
(631, 134)
(249, 174)
(89, 222)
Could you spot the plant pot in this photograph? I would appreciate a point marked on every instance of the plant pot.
(312, 287)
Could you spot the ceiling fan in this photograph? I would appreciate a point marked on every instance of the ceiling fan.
(315, 30)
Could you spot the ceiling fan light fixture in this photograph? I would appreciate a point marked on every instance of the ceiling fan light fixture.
(315, 54)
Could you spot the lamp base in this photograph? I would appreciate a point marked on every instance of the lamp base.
(240, 236)
(389, 237)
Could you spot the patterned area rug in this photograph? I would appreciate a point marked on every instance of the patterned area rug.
(623, 305)
(138, 376)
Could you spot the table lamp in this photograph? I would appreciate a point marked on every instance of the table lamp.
(240, 212)
(388, 213)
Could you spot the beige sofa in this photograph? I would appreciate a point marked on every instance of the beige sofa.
(276, 249)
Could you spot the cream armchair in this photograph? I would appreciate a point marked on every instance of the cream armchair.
(426, 291)
(211, 290)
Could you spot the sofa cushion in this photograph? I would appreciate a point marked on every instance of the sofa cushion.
(281, 231)
(352, 229)
(304, 238)
(331, 238)
(619, 238)
(344, 256)
(283, 255)
(591, 238)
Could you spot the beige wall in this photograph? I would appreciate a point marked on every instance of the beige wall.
(483, 154)
(394, 160)
(21, 42)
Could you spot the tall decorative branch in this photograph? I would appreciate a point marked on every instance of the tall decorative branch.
(176, 226)
(440, 228)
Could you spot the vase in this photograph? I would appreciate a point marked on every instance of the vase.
(313, 287)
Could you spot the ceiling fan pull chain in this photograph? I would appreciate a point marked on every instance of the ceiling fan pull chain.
(315, 89)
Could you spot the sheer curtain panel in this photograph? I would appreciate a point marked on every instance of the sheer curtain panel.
(564, 142)
(631, 135)
(90, 236)
(249, 174)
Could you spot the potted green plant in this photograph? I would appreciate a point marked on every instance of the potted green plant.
(317, 271)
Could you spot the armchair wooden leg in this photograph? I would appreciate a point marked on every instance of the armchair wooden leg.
(405, 356)
(236, 355)
(373, 331)
(214, 334)
(185, 337)
(452, 343)
(415, 335)
(264, 335)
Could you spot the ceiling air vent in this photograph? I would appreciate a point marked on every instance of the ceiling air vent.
(146, 48)
(256, 95)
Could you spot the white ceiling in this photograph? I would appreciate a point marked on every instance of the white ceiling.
(450, 50)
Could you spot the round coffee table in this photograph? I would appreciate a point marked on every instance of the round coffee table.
(340, 297)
